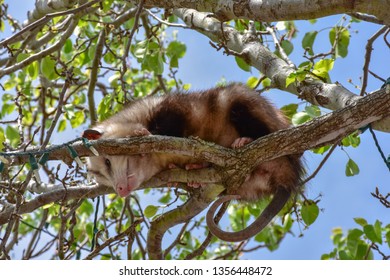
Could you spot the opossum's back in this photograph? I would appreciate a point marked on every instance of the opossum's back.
(219, 115)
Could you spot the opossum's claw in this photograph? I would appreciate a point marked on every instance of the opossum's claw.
(241, 141)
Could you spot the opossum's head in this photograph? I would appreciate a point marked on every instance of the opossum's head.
(124, 173)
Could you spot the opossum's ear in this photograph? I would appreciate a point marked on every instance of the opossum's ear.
(92, 134)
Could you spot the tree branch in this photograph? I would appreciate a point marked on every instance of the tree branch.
(318, 132)
(280, 10)
(331, 96)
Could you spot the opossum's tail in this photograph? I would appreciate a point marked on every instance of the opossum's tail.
(279, 199)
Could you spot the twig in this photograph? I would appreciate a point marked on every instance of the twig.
(279, 47)
(43, 53)
(128, 45)
(129, 232)
(94, 74)
(367, 57)
(320, 165)
(44, 20)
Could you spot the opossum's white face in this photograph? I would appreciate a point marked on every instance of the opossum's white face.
(124, 173)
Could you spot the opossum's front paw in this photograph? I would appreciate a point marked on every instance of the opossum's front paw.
(200, 165)
(242, 141)
(142, 132)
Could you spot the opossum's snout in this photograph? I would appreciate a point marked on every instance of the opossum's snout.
(125, 187)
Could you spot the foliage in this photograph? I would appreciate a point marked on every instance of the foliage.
(93, 61)
(360, 243)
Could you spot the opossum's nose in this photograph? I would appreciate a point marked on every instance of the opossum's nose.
(125, 187)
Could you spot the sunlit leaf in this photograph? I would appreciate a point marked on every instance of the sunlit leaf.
(351, 168)
(150, 211)
(308, 41)
(309, 212)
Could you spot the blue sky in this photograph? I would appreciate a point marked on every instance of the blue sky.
(343, 198)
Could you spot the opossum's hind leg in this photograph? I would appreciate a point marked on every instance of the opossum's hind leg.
(280, 198)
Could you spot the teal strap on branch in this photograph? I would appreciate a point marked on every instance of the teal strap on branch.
(75, 156)
(386, 160)
(34, 167)
(95, 228)
(386, 86)
(43, 159)
(89, 146)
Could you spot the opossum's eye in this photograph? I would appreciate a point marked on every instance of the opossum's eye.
(107, 162)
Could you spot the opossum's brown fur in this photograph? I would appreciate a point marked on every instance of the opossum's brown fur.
(231, 115)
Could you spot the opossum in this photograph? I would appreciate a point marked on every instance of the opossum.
(230, 116)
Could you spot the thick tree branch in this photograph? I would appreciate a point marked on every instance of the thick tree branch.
(279, 10)
(331, 96)
(318, 132)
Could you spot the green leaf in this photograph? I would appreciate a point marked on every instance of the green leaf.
(300, 118)
(378, 230)
(86, 208)
(47, 68)
(343, 255)
(12, 135)
(239, 216)
(287, 46)
(266, 82)
(309, 212)
(308, 41)
(68, 47)
(321, 150)
(351, 169)
(322, 68)
(175, 51)
(361, 221)
(242, 64)
(140, 49)
(21, 57)
(351, 140)
(353, 240)
(2, 139)
(371, 234)
(343, 37)
(252, 82)
(290, 110)
(166, 198)
(150, 211)
(33, 70)
(77, 119)
(291, 78)
(61, 125)
(361, 251)
(388, 238)
(313, 111)
(154, 63)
